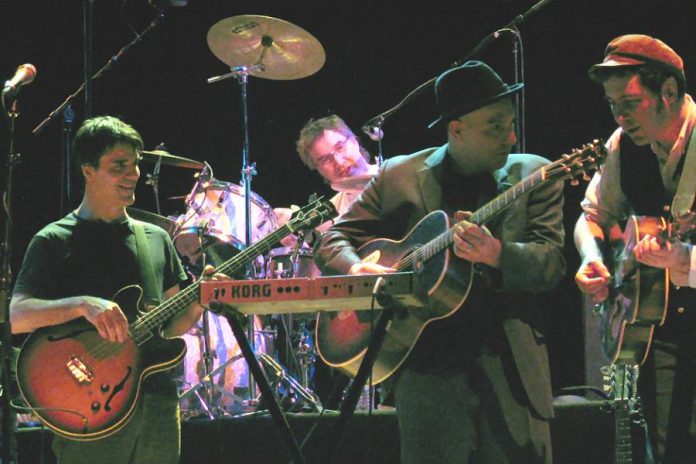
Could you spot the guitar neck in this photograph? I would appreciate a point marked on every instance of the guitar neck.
(623, 445)
(488, 211)
(621, 380)
(311, 216)
(481, 216)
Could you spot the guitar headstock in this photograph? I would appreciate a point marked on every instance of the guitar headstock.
(578, 163)
(313, 214)
(620, 381)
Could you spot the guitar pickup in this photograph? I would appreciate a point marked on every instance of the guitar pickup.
(79, 370)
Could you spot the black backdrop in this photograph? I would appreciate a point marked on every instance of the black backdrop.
(376, 52)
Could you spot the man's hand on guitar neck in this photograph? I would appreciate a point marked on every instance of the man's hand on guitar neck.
(672, 254)
(475, 243)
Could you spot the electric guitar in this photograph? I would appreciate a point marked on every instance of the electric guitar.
(84, 387)
(638, 294)
(342, 337)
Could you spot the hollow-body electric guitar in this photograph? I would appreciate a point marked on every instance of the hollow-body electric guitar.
(342, 337)
(86, 388)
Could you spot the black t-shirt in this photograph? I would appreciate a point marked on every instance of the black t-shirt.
(73, 256)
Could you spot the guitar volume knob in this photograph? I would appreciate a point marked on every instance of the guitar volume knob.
(96, 406)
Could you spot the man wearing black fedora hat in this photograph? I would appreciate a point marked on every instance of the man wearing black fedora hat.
(650, 170)
(476, 385)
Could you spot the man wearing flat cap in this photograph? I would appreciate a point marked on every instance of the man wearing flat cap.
(475, 387)
(650, 170)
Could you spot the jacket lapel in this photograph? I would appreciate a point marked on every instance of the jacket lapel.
(430, 189)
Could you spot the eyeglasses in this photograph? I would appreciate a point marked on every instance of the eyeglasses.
(339, 148)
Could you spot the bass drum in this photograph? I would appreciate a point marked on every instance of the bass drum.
(227, 388)
(213, 229)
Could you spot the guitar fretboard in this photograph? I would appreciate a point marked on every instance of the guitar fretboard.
(481, 216)
(141, 329)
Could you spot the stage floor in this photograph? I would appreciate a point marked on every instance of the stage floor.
(582, 432)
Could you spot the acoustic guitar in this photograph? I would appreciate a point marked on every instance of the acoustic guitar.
(638, 294)
(342, 337)
(621, 383)
(84, 387)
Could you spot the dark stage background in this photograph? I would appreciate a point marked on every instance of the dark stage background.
(376, 52)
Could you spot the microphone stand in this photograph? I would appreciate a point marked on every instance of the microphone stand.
(155, 22)
(374, 125)
(8, 453)
(66, 184)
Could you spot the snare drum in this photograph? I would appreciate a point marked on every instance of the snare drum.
(214, 222)
(279, 263)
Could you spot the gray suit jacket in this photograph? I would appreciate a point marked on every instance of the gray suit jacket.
(531, 231)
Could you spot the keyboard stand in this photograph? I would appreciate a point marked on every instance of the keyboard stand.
(262, 382)
(390, 306)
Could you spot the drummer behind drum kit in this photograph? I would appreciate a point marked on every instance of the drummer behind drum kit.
(222, 218)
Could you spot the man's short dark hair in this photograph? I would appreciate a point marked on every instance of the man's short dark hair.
(98, 135)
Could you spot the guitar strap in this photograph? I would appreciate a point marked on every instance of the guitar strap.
(147, 272)
(686, 190)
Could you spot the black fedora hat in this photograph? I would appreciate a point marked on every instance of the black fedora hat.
(466, 88)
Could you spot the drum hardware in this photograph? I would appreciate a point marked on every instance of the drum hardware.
(270, 47)
(298, 347)
(164, 157)
(212, 222)
(153, 178)
(266, 47)
(214, 377)
(293, 395)
(207, 401)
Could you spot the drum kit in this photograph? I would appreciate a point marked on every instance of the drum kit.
(221, 218)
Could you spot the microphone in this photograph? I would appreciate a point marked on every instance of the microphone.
(24, 75)
(374, 132)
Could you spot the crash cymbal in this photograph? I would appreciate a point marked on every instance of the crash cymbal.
(152, 218)
(172, 160)
(283, 50)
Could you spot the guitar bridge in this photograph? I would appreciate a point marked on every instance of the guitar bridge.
(79, 370)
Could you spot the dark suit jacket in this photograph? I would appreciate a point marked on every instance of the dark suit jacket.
(531, 231)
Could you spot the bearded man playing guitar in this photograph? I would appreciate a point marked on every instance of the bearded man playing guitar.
(73, 268)
(644, 84)
(476, 386)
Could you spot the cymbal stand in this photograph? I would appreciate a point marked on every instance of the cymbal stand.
(207, 362)
(248, 172)
(153, 179)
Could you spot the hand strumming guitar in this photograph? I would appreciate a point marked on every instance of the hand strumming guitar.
(593, 279)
